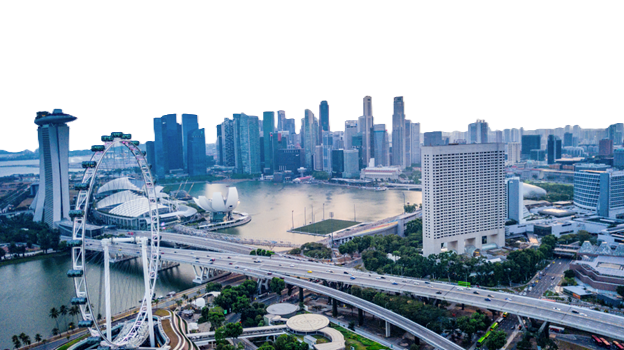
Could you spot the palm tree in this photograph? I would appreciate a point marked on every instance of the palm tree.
(71, 326)
(16, 341)
(74, 310)
(54, 314)
(44, 342)
(55, 331)
(38, 337)
(63, 311)
(26, 339)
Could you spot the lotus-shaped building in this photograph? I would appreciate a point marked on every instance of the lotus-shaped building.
(219, 207)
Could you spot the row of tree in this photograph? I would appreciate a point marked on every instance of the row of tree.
(22, 229)
(23, 339)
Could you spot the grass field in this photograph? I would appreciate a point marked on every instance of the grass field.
(357, 341)
(326, 226)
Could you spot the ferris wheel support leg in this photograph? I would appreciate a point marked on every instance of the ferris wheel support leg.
(107, 299)
(148, 293)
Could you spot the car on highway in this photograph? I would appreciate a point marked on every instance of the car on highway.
(552, 278)
(575, 312)
(236, 266)
(292, 265)
(508, 299)
(460, 288)
(377, 278)
(475, 292)
(383, 278)
(345, 272)
(269, 273)
(582, 314)
(231, 264)
(229, 257)
(309, 271)
(488, 299)
(427, 282)
(394, 282)
(207, 256)
(416, 283)
(490, 295)
(162, 252)
(196, 258)
(352, 277)
(137, 252)
(556, 308)
(192, 253)
(438, 292)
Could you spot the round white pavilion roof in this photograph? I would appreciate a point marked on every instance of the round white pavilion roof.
(306, 323)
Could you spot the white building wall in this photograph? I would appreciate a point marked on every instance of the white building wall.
(464, 201)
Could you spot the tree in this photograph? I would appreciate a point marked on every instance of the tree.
(220, 335)
(241, 304)
(38, 337)
(16, 342)
(213, 287)
(54, 314)
(277, 285)
(63, 311)
(55, 331)
(568, 274)
(496, 340)
(620, 291)
(352, 325)
(266, 346)
(216, 319)
(233, 330)
(74, 311)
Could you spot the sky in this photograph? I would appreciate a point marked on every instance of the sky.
(116, 65)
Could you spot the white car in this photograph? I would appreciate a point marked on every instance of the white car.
(460, 288)
(556, 308)
(292, 265)
(377, 278)
(416, 282)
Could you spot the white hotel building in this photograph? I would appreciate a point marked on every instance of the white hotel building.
(464, 202)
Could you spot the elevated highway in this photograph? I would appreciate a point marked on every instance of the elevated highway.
(294, 269)
(201, 339)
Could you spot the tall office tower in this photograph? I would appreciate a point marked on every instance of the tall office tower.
(289, 125)
(225, 143)
(600, 189)
(324, 117)
(554, 148)
(576, 130)
(398, 134)
(149, 153)
(499, 136)
(351, 128)
(507, 135)
(514, 150)
(351, 164)
(478, 132)
(515, 200)
(568, 139)
(380, 145)
(433, 138)
(358, 142)
(289, 159)
(52, 201)
(328, 146)
(415, 146)
(281, 121)
(168, 146)
(530, 142)
(189, 124)
(408, 142)
(268, 129)
(366, 129)
(246, 144)
(337, 162)
(196, 153)
(318, 158)
(338, 142)
(605, 148)
(309, 132)
(464, 202)
(615, 133)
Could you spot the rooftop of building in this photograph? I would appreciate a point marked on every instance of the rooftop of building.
(605, 265)
(56, 117)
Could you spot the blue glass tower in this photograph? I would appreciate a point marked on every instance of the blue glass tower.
(196, 152)
(189, 124)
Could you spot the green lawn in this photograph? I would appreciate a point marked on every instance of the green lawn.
(68, 344)
(327, 226)
(356, 341)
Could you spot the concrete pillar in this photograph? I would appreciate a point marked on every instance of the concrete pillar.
(334, 308)
(388, 326)
(360, 317)
(301, 294)
(541, 329)
(462, 306)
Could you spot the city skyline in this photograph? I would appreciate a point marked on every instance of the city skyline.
(534, 76)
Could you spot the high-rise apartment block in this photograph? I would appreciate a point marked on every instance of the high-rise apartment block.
(605, 148)
(408, 142)
(398, 134)
(51, 203)
(328, 142)
(514, 150)
(464, 202)
(615, 133)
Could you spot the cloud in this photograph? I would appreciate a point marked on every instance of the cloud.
(95, 79)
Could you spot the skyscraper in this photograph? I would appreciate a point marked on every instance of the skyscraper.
(515, 205)
(168, 147)
(268, 129)
(246, 144)
(514, 150)
(324, 116)
(615, 133)
(568, 139)
(310, 130)
(189, 124)
(351, 164)
(530, 142)
(433, 138)
(407, 151)
(554, 148)
(281, 121)
(196, 152)
(366, 129)
(399, 133)
(605, 148)
(478, 132)
(328, 142)
(225, 143)
(380, 145)
(415, 144)
(52, 201)
(463, 197)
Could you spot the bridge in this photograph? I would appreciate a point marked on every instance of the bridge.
(393, 225)
(292, 270)
(201, 339)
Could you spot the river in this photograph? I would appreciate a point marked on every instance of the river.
(30, 289)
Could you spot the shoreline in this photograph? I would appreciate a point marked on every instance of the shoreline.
(6, 262)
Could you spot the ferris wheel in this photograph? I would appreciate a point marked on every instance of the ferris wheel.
(117, 185)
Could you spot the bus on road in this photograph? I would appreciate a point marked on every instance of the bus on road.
(482, 339)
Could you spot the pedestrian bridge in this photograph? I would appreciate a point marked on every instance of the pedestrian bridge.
(201, 339)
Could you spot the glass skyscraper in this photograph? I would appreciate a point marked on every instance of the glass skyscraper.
(196, 152)
(269, 139)
(246, 144)
(168, 146)
(189, 124)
